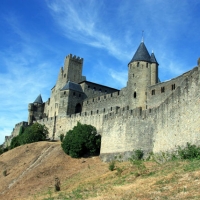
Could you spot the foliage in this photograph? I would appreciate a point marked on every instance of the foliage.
(119, 171)
(21, 130)
(81, 140)
(15, 142)
(189, 152)
(61, 137)
(137, 155)
(136, 160)
(34, 133)
(111, 166)
(1, 150)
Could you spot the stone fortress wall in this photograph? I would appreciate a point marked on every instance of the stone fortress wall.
(146, 114)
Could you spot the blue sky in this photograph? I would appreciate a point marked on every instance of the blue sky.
(35, 37)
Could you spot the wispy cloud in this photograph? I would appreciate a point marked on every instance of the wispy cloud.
(23, 77)
(80, 21)
(86, 22)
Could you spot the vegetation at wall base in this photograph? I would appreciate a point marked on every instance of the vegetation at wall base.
(81, 140)
(34, 133)
(189, 152)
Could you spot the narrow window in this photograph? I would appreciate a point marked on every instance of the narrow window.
(111, 108)
(118, 93)
(162, 89)
(74, 93)
(91, 112)
(104, 96)
(99, 90)
(64, 92)
(93, 100)
(138, 64)
(133, 75)
(153, 92)
(97, 111)
(104, 110)
(64, 75)
(147, 65)
(105, 91)
(98, 98)
(134, 95)
(111, 94)
(88, 86)
(173, 87)
(94, 88)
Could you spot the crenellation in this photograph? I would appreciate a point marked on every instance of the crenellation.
(146, 114)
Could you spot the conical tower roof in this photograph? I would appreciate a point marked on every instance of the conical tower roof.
(141, 54)
(38, 99)
(153, 58)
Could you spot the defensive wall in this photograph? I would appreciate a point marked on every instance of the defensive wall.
(163, 128)
(14, 133)
(158, 93)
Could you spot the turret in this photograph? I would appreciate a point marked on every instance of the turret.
(36, 110)
(139, 77)
(154, 69)
(73, 69)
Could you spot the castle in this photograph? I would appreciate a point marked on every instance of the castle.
(146, 114)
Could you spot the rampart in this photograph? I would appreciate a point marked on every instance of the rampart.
(14, 133)
(174, 123)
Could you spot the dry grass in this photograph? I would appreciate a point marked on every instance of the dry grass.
(31, 170)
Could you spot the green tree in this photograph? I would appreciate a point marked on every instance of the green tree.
(82, 140)
(15, 142)
(34, 133)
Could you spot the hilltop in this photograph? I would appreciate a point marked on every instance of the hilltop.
(32, 168)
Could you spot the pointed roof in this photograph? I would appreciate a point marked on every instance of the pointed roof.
(72, 86)
(38, 99)
(141, 54)
(153, 58)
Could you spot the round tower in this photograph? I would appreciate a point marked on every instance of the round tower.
(139, 77)
(154, 69)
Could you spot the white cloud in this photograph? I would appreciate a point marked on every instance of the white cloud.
(80, 22)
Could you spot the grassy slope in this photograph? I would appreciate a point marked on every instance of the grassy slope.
(32, 169)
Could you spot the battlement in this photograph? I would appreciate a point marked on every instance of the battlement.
(75, 58)
(103, 97)
(21, 124)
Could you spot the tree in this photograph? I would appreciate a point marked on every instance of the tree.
(81, 140)
(34, 133)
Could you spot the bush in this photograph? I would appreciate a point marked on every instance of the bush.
(137, 155)
(61, 137)
(82, 140)
(15, 142)
(34, 133)
(112, 166)
(189, 152)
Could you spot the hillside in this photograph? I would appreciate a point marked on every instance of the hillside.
(32, 168)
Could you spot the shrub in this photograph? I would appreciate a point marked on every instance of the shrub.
(82, 140)
(111, 166)
(34, 133)
(61, 137)
(119, 171)
(137, 155)
(15, 142)
(189, 152)
(21, 130)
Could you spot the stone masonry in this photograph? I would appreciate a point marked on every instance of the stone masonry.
(146, 114)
